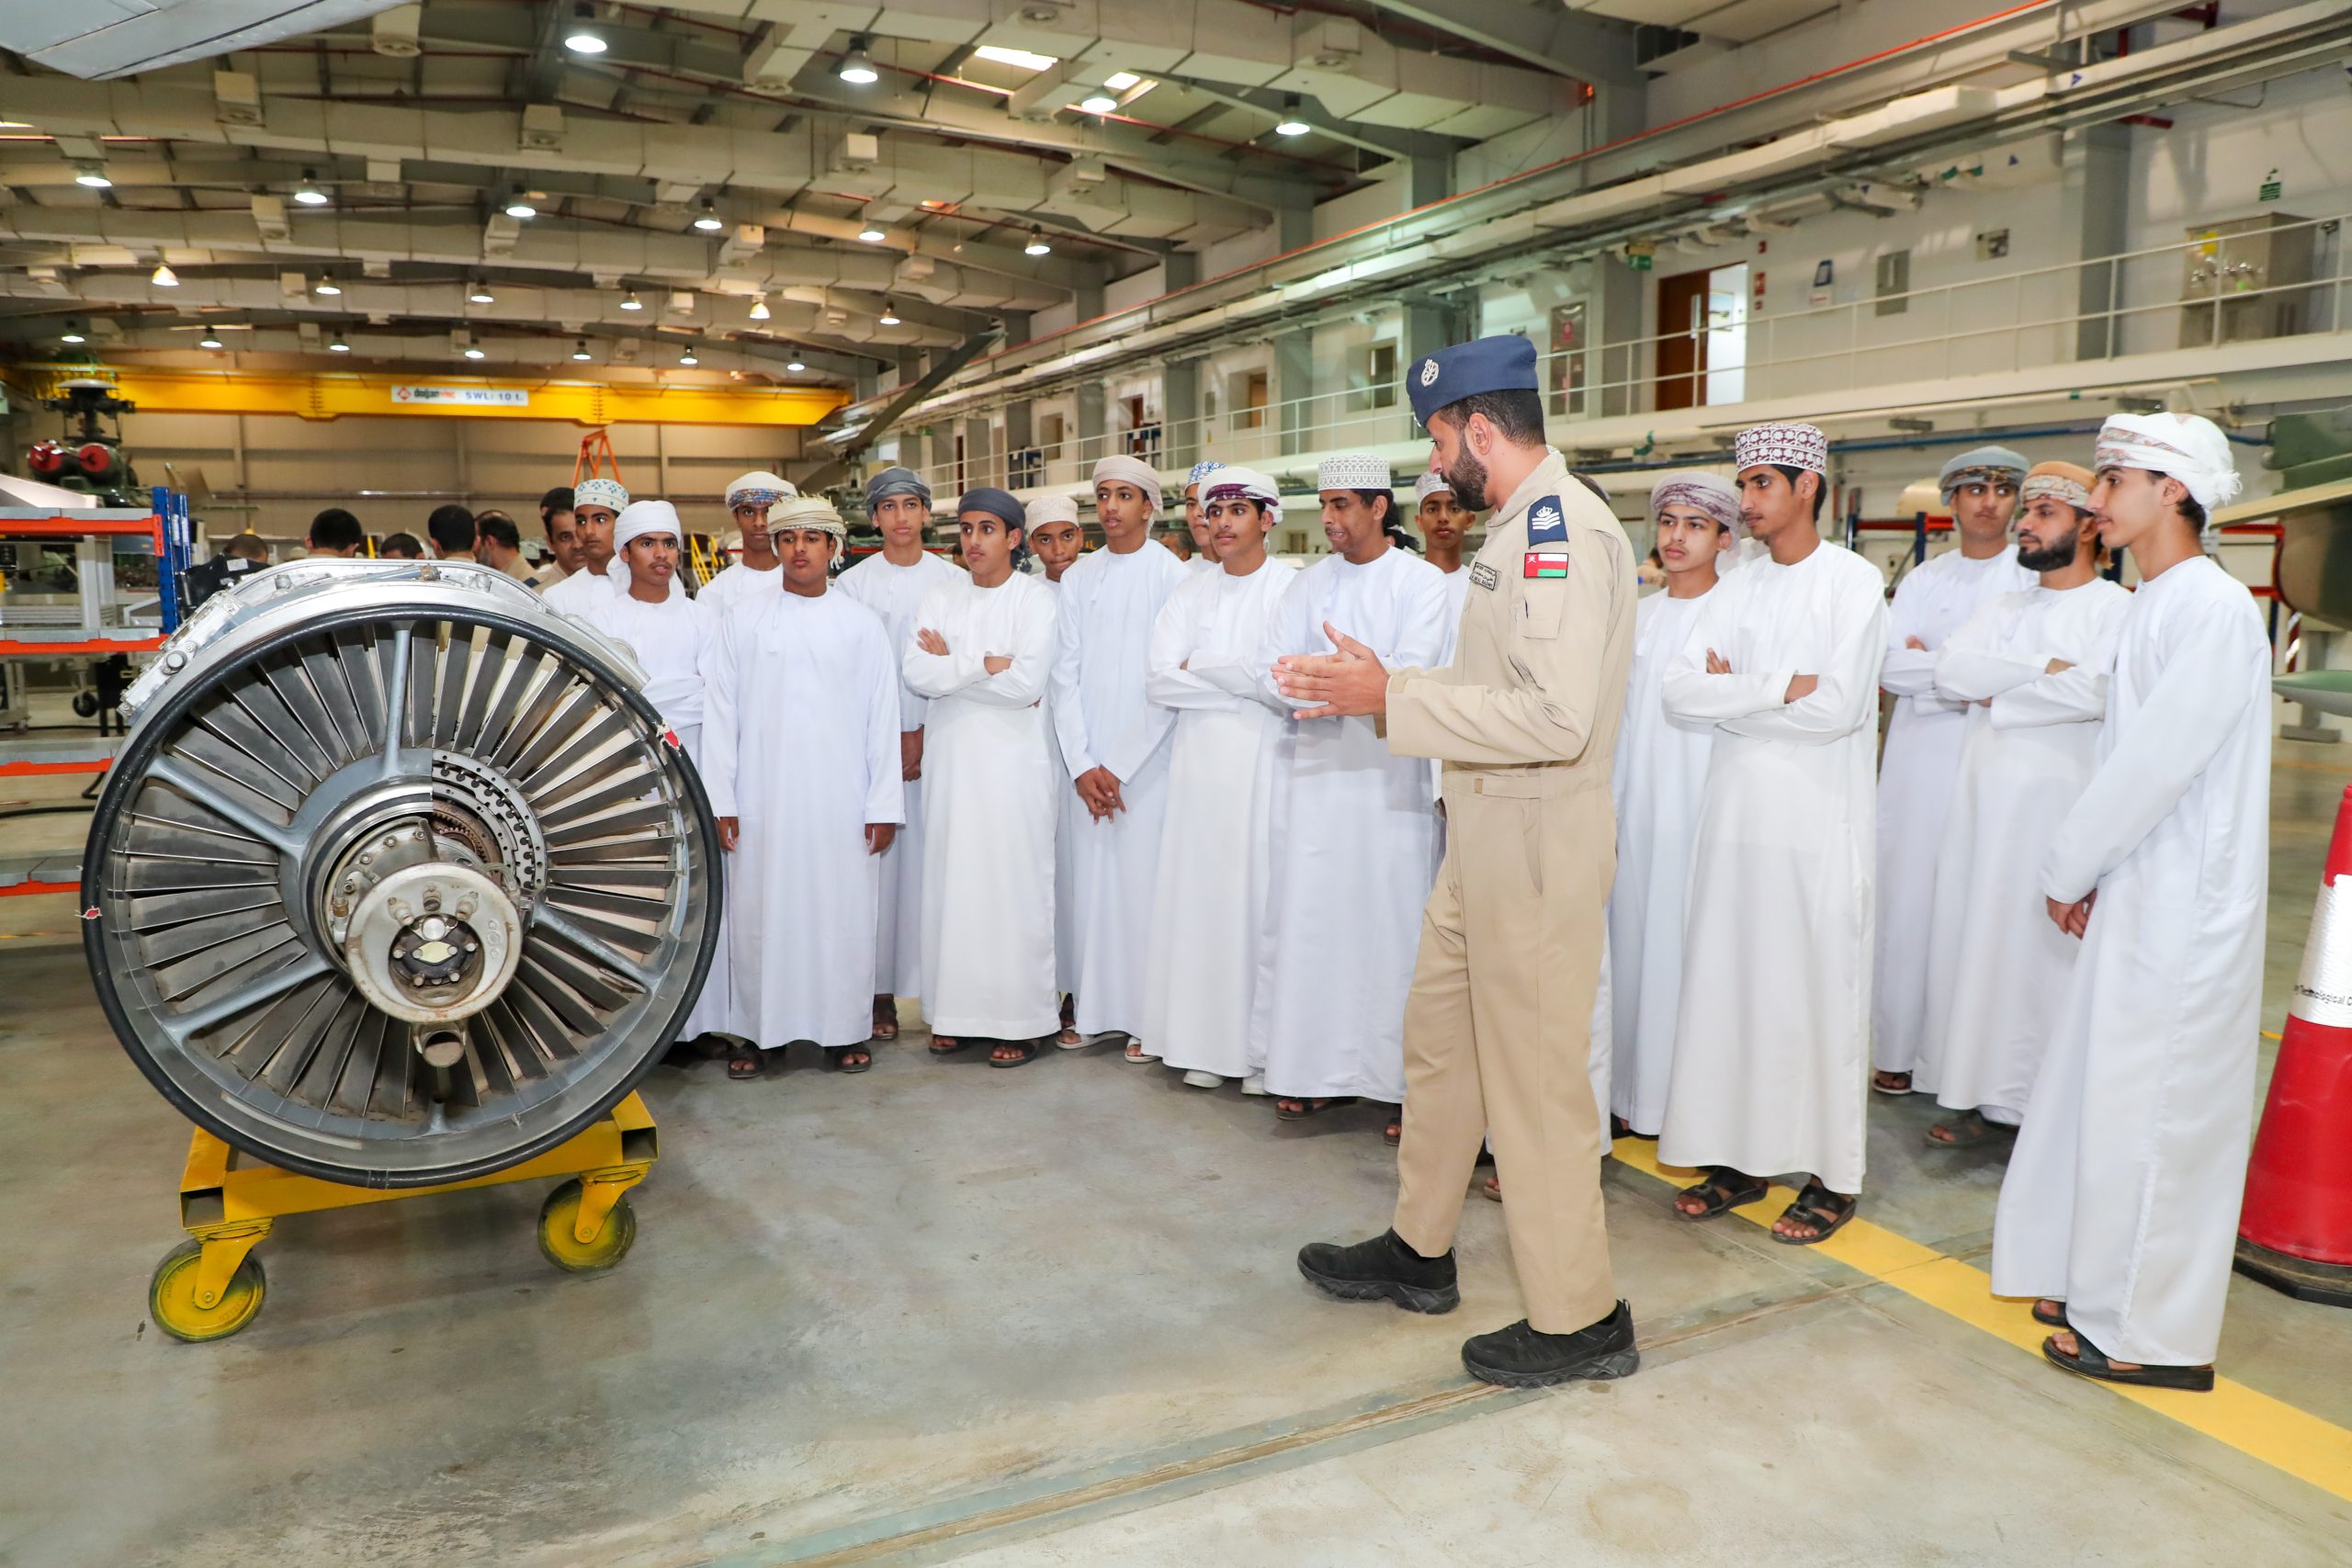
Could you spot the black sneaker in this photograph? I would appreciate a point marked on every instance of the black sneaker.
(1382, 1267)
(1519, 1357)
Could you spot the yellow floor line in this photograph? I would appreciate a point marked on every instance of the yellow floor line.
(2268, 1429)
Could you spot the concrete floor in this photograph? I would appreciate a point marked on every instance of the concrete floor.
(940, 1313)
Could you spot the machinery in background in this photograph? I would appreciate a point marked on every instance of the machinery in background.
(90, 459)
(397, 884)
(2313, 513)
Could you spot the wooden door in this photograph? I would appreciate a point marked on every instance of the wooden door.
(1682, 341)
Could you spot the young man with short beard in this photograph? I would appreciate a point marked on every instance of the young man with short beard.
(1772, 1040)
(2120, 1208)
(1921, 757)
(2032, 666)
(1353, 837)
(803, 774)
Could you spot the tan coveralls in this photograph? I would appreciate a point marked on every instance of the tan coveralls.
(1497, 1027)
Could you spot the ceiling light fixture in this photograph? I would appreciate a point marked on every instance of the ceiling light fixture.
(1290, 124)
(475, 350)
(519, 206)
(209, 340)
(1098, 103)
(857, 66)
(307, 193)
(1020, 57)
(338, 345)
(163, 276)
(72, 333)
(760, 312)
(92, 176)
(580, 349)
(889, 314)
(582, 37)
(709, 220)
(632, 302)
(1037, 246)
(688, 359)
(327, 287)
(1120, 81)
(479, 294)
(795, 366)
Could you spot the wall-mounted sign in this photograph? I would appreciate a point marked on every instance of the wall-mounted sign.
(2271, 188)
(474, 396)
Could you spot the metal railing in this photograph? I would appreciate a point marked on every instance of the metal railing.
(2200, 292)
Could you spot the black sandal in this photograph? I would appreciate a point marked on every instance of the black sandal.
(2089, 1361)
(837, 1058)
(2054, 1318)
(746, 1063)
(1818, 1207)
(1028, 1049)
(1309, 1107)
(1724, 1189)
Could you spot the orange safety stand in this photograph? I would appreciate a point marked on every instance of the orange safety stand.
(595, 458)
(210, 1286)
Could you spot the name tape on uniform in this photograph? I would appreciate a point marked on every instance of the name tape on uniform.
(1484, 576)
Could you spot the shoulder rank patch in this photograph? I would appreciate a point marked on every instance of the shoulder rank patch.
(1547, 523)
(1484, 576)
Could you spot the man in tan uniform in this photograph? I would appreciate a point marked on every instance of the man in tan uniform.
(1497, 1026)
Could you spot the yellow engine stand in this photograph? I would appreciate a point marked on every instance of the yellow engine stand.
(210, 1286)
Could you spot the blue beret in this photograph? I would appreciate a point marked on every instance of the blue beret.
(1504, 363)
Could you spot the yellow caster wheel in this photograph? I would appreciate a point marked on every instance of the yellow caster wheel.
(171, 1296)
(565, 1250)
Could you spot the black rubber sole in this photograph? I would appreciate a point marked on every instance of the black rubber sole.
(1412, 1298)
(2187, 1379)
(1596, 1368)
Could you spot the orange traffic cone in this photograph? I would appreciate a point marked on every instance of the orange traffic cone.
(2295, 1231)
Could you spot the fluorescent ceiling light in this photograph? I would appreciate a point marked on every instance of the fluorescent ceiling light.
(92, 176)
(1037, 246)
(688, 359)
(872, 233)
(338, 345)
(209, 340)
(307, 193)
(1120, 81)
(1290, 124)
(889, 314)
(163, 276)
(481, 294)
(632, 302)
(1098, 103)
(327, 287)
(794, 365)
(760, 312)
(72, 333)
(1020, 57)
(519, 206)
(580, 349)
(475, 350)
(709, 220)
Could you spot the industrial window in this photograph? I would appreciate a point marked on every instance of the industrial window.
(1895, 283)
(1249, 395)
(1376, 386)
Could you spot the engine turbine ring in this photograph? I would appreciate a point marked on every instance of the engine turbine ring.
(317, 749)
